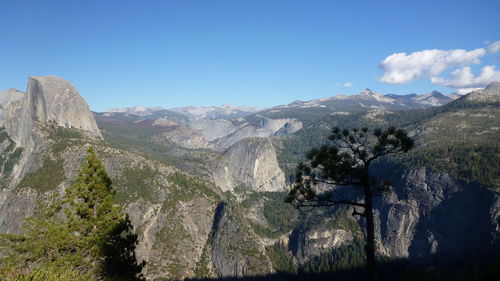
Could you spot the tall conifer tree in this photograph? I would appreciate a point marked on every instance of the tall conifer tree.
(94, 239)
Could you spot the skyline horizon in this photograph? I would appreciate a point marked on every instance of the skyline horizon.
(256, 53)
(257, 108)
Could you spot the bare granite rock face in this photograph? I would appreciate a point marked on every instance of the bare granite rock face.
(236, 250)
(266, 128)
(250, 164)
(53, 99)
(49, 99)
(213, 128)
(311, 242)
(431, 213)
(182, 135)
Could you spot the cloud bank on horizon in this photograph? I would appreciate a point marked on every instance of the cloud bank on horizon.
(400, 68)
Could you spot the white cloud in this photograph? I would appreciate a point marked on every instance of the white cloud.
(464, 91)
(402, 68)
(347, 84)
(464, 80)
(494, 47)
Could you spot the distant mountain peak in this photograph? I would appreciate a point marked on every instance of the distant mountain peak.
(138, 110)
(493, 86)
(437, 94)
(225, 111)
(367, 93)
(489, 94)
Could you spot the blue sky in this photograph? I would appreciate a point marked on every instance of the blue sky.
(248, 52)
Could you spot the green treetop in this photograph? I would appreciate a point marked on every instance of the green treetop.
(94, 239)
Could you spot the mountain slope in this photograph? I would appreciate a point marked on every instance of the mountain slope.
(204, 211)
(173, 212)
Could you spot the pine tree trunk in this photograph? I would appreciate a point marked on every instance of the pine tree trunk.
(370, 235)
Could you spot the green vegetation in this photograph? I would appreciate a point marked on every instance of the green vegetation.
(136, 183)
(281, 259)
(12, 160)
(337, 217)
(137, 138)
(44, 273)
(202, 269)
(191, 187)
(280, 218)
(59, 132)
(9, 156)
(64, 137)
(46, 178)
(346, 162)
(345, 257)
(471, 162)
(93, 241)
(459, 138)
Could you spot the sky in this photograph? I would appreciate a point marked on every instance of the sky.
(260, 53)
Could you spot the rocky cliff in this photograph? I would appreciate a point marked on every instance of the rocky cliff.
(249, 164)
(48, 100)
(266, 127)
(430, 213)
(188, 226)
(237, 252)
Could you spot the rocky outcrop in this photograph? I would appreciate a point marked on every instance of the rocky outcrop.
(431, 213)
(182, 135)
(48, 100)
(266, 128)
(53, 99)
(213, 128)
(488, 94)
(249, 164)
(236, 251)
(311, 242)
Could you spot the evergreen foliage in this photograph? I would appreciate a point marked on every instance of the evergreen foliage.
(281, 259)
(346, 162)
(345, 257)
(84, 234)
(280, 218)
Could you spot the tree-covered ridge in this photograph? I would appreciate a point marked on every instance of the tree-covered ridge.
(278, 218)
(83, 235)
(462, 143)
(459, 138)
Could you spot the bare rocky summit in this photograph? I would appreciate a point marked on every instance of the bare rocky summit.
(488, 94)
(250, 164)
(48, 99)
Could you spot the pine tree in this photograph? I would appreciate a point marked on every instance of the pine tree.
(107, 240)
(346, 162)
(93, 239)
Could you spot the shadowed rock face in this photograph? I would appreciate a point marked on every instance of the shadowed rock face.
(431, 213)
(251, 164)
(236, 251)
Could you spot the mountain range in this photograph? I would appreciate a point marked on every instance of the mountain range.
(204, 186)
